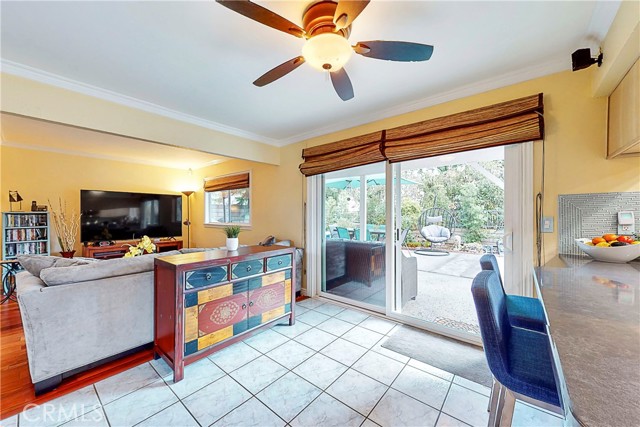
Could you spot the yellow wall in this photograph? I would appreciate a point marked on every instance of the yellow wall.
(33, 99)
(276, 198)
(39, 175)
(42, 175)
(575, 140)
(575, 124)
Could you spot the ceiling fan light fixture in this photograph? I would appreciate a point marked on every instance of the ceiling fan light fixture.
(327, 51)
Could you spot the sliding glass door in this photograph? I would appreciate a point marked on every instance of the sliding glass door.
(450, 211)
(353, 236)
(405, 239)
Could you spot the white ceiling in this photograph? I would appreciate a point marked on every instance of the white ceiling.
(46, 136)
(197, 60)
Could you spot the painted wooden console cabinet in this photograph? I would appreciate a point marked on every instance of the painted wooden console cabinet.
(205, 301)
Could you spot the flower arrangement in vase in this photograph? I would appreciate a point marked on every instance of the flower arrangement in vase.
(232, 232)
(66, 226)
(145, 245)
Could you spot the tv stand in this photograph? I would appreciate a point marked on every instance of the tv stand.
(120, 248)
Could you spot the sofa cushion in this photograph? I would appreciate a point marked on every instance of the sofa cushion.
(34, 264)
(27, 282)
(101, 270)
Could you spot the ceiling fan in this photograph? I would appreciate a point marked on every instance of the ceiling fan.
(327, 26)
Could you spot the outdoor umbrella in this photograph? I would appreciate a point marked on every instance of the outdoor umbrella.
(354, 182)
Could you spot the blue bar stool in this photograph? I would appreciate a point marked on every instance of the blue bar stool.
(524, 312)
(519, 359)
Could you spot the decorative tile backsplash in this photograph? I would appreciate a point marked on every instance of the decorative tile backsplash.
(590, 215)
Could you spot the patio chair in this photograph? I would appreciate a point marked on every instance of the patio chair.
(435, 225)
(357, 235)
(343, 233)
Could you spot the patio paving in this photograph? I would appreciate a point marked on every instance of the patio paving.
(444, 290)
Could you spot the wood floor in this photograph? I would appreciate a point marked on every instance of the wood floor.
(16, 389)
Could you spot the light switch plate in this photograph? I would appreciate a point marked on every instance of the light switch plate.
(547, 224)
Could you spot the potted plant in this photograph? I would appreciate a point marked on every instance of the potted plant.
(66, 226)
(232, 232)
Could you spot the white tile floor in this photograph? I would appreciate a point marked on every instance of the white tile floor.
(327, 370)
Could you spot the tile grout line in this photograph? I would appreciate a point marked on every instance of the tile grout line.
(178, 397)
(351, 367)
(167, 385)
(236, 407)
(132, 391)
(305, 407)
(95, 390)
(290, 370)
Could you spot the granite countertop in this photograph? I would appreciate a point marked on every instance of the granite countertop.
(594, 321)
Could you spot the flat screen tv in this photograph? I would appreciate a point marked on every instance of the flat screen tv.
(115, 215)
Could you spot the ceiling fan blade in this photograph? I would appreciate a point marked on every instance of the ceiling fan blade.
(263, 16)
(342, 84)
(394, 51)
(347, 11)
(279, 71)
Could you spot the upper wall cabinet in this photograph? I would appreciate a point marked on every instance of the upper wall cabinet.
(624, 116)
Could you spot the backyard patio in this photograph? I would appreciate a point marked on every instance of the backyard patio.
(444, 290)
(451, 204)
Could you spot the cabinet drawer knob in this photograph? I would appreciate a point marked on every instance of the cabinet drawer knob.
(279, 262)
(250, 303)
(244, 306)
(248, 268)
(208, 276)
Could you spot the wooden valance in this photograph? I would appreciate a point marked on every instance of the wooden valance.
(348, 153)
(228, 182)
(509, 122)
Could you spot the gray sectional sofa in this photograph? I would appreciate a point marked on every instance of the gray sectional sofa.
(81, 315)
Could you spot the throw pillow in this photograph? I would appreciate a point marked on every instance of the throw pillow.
(34, 264)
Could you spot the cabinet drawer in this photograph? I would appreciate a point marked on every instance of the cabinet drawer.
(277, 262)
(246, 268)
(206, 276)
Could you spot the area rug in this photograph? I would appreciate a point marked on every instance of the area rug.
(464, 360)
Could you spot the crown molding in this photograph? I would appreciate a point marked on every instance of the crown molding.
(41, 76)
(123, 159)
(552, 66)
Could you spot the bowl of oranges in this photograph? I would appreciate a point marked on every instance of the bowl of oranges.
(611, 248)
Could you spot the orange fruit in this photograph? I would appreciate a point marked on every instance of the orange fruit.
(610, 237)
(603, 245)
(597, 240)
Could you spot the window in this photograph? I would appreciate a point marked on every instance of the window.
(228, 199)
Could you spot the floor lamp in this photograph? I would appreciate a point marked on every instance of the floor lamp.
(187, 222)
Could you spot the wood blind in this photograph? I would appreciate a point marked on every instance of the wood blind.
(348, 153)
(509, 122)
(229, 182)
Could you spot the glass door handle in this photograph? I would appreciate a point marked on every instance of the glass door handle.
(507, 240)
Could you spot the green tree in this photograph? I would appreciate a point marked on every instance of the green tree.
(472, 213)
